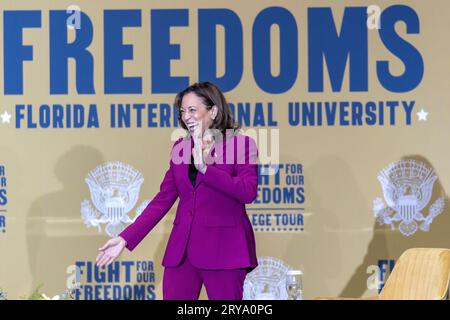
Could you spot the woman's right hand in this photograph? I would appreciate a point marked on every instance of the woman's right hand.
(110, 251)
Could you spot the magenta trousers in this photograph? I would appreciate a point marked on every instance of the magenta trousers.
(185, 281)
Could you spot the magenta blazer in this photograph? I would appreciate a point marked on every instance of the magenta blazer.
(212, 214)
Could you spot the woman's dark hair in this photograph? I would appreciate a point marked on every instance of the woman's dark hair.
(211, 96)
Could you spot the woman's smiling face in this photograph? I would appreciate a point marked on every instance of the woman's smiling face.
(195, 114)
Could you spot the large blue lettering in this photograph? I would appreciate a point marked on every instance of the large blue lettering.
(163, 51)
(408, 54)
(15, 53)
(61, 51)
(288, 50)
(324, 41)
(116, 52)
(208, 20)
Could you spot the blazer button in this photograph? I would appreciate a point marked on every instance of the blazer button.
(190, 213)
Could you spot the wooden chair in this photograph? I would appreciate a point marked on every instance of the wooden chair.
(419, 274)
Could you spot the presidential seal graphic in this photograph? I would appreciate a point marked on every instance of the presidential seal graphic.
(267, 281)
(114, 188)
(407, 189)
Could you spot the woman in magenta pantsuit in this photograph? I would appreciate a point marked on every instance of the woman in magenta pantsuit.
(212, 241)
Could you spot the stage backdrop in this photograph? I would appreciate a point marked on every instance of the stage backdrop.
(351, 95)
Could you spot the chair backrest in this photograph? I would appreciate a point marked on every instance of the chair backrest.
(419, 274)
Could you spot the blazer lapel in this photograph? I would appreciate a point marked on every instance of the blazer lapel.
(214, 155)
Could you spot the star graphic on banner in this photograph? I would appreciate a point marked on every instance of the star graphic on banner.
(422, 115)
(6, 117)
